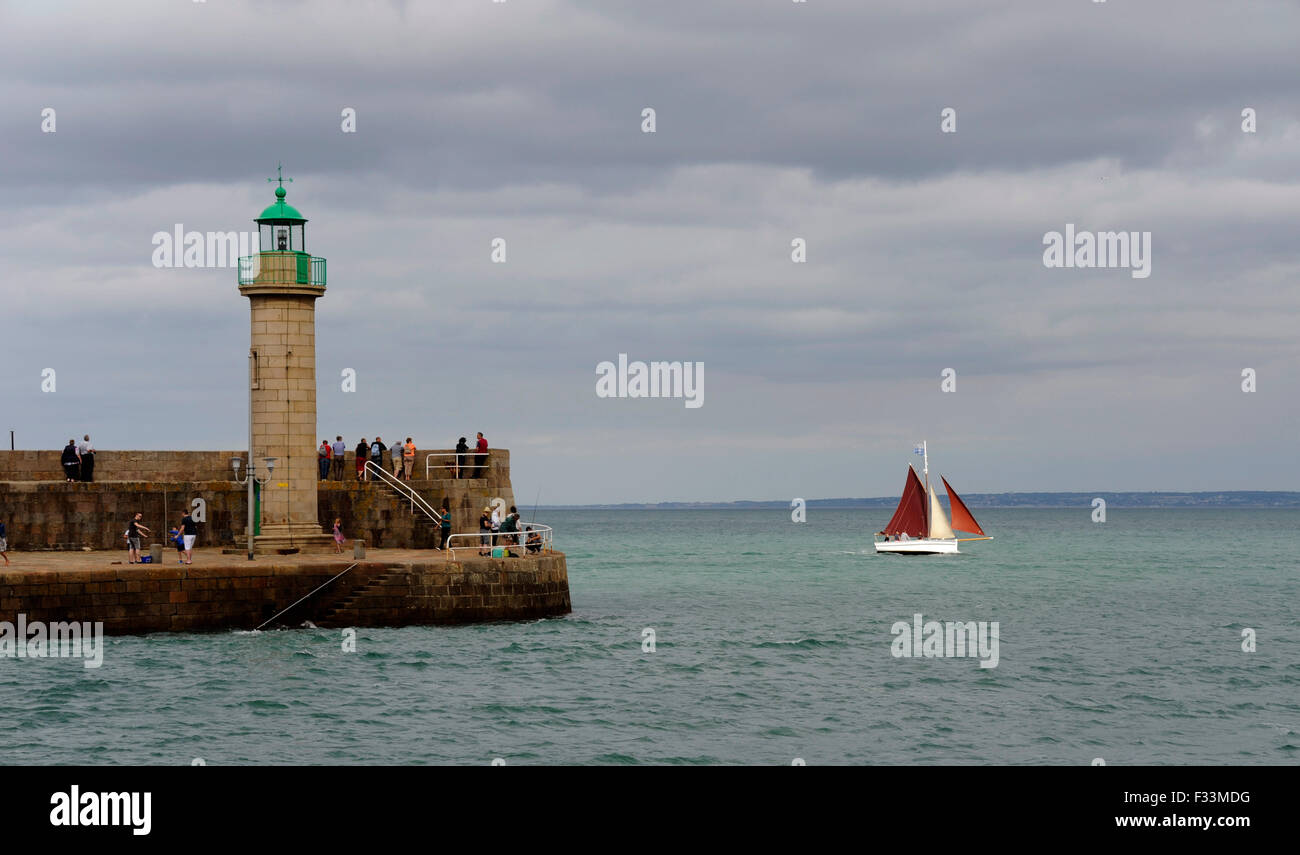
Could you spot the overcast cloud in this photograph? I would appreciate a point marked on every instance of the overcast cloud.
(775, 120)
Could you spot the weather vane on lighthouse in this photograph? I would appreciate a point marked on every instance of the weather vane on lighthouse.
(279, 172)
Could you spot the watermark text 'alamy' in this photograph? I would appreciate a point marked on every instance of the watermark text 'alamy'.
(23, 639)
(1099, 249)
(653, 380)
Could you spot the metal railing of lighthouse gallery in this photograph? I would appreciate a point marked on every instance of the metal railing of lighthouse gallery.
(404, 491)
(281, 268)
(516, 541)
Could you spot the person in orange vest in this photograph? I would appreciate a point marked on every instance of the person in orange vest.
(408, 457)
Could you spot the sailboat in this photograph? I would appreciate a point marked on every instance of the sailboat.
(919, 525)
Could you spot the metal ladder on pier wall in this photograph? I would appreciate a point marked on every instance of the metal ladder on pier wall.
(425, 512)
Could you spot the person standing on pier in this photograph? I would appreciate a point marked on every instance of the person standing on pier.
(461, 458)
(133, 531)
(480, 458)
(363, 452)
(446, 526)
(377, 449)
(4, 544)
(340, 451)
(325, 454)
(71, 461)
(87, 453)
(190, 532)
(485, 532)
(408, 458)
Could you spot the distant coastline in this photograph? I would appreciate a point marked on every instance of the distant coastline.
(1220, 499)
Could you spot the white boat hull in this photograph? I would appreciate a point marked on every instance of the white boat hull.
(919, 546)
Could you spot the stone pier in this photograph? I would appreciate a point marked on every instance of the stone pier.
(225, 592)
(67, 537)
(69, 558)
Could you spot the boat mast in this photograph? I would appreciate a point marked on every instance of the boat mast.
(925, 463)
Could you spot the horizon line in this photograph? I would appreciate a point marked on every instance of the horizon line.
(1291, 497)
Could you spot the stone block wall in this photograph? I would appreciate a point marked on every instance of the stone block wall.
(55, 515)
(59, 515)
(171, 466)
(160, 597)
(44, 465)
(372, 513)
(467, 591)
(171, 597)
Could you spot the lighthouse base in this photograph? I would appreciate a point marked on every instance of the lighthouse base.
(284, 545)
(275, 539)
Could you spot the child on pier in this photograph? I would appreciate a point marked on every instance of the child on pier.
(175, 535)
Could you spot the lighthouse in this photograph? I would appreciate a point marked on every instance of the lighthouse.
(282, 283)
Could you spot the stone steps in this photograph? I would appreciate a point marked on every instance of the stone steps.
(358, 593)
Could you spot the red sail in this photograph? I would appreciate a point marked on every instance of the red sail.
(962, 520)
(911, 517)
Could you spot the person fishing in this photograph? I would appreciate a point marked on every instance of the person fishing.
(132, 534)
(510, 528)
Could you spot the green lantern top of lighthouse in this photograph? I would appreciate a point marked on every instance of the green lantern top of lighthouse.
(282, 264)
(280, 211)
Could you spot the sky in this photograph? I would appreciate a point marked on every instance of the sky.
(774, 121)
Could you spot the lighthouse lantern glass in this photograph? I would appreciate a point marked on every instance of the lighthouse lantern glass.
(281, 237)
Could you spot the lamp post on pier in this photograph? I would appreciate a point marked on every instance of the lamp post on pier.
(250, 477)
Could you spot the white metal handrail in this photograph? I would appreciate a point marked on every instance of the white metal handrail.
(407, 492)
(465, 463)
(497, 538)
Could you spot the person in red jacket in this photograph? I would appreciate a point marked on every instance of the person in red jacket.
(325, 458)
(480, 457)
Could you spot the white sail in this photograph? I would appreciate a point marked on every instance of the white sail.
(939, 526)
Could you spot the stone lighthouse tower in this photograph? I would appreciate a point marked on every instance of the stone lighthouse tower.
(282, 283)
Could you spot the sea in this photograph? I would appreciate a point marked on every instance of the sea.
(703, 637)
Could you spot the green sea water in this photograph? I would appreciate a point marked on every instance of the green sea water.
(1119, 640)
